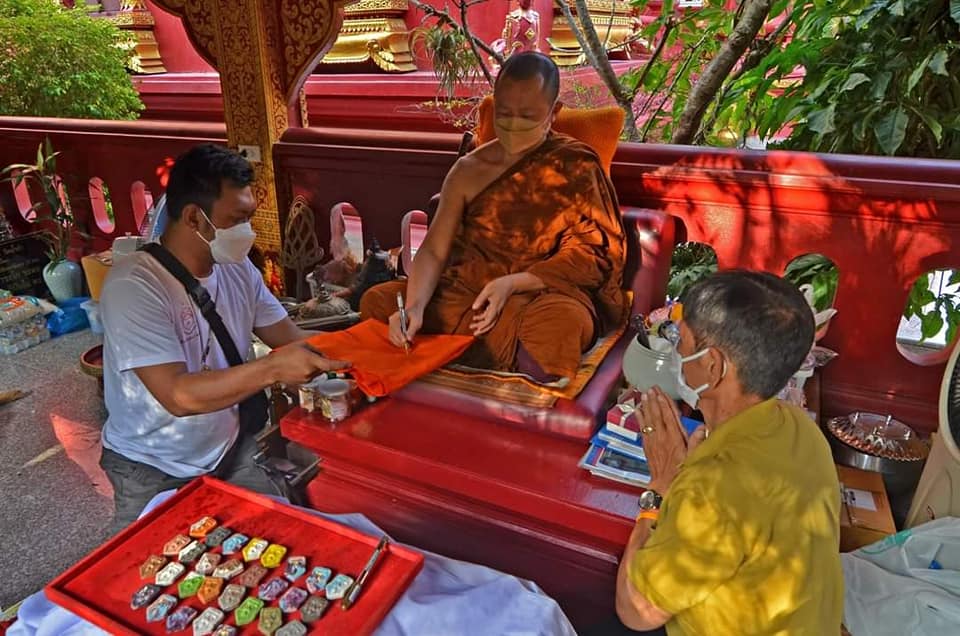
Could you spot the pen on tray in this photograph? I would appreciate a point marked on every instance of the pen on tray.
(351, 596)
(403, 322)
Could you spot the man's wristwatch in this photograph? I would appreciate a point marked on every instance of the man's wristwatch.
(650, 502)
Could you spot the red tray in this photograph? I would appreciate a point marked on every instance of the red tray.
(99, 587)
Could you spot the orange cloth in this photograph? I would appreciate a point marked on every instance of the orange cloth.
(379, 367)
(599, 128)
(553, 214)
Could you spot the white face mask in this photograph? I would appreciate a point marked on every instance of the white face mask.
(231, 245)
(688, 394)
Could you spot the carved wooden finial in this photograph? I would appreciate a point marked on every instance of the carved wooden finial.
(301, 248)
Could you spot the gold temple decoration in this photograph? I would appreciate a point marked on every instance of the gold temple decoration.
(264, 50)
(134, 17)
(375, 34)
(617, 15)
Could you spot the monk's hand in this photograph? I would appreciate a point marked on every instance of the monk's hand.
(489, 304)
(414, 323)
(665, 441)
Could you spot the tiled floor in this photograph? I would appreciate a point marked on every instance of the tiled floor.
(55, 502)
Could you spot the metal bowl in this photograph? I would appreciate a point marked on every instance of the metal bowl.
(880, 444)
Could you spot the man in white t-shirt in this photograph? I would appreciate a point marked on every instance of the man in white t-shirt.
(171, 396)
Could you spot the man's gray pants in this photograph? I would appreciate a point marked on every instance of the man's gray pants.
(135, 483)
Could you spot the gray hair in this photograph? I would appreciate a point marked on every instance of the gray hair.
(760, 321)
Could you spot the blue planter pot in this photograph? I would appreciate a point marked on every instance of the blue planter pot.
(63, 279)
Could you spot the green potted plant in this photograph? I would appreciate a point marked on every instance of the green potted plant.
(818, 278)
(54, 217)
(934, 310)
(690, 263)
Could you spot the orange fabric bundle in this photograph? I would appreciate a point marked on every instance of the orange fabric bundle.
(379, 367)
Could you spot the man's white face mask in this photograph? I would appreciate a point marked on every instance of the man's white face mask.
(230, 245)
(687, 393)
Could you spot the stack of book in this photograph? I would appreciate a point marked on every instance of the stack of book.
(616, 451)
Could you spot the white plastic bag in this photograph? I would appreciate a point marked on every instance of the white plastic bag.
(908, 583)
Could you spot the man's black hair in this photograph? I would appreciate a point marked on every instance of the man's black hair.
(761, 321)
(523, 66)
(198, 175)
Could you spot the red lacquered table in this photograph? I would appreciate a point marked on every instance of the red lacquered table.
(476, 490)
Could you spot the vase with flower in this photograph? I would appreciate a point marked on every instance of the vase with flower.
(650, 359)
(53, 215)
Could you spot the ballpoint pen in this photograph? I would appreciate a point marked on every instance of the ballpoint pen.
(403, 322)
(351, 596)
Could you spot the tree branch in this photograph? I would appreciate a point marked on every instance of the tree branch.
(761, 48)
(701, 95)
(472, 40)
(670, 91)
(596, 54)
(657, 52)
(445, 18)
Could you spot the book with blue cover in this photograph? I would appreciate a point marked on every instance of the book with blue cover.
(603, 462)
(617, 457)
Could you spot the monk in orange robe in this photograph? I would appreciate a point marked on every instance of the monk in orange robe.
(527, 248)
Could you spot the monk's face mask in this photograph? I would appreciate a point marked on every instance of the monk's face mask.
(519, 134)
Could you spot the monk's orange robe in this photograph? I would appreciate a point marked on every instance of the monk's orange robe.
(553, 214)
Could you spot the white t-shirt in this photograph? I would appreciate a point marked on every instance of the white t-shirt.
(149, 319)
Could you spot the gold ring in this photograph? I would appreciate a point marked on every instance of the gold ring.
(646, 430)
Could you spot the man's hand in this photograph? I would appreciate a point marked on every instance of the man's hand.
(298, 363)
(491, 300)
(414, 323)
(665, 441)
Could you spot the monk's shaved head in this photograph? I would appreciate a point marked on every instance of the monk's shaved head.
(528, 65)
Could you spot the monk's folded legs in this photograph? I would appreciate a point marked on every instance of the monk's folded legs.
(542, 335)
(380, 301)
(448, 312)
(554, 332)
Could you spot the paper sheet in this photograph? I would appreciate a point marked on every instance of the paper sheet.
(862, 499)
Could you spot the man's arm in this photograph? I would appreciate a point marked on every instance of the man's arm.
(431, 257)
(433, 253)
(281, 333)
(182, 393)
(634, 610)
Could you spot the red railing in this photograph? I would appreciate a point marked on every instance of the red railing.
(884, 222)
(130, 158)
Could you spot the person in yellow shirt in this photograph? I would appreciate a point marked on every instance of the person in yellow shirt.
(739, 530)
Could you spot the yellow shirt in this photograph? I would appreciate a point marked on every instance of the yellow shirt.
(748, 536)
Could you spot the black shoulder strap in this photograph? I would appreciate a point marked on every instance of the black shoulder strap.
(200, 296)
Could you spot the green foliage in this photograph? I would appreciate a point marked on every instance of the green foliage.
(943, 306)
(454, 62)
(819, 272)
(59, 62)
(878, 77)
(683, 44)
(53, 214)
(690, 263)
